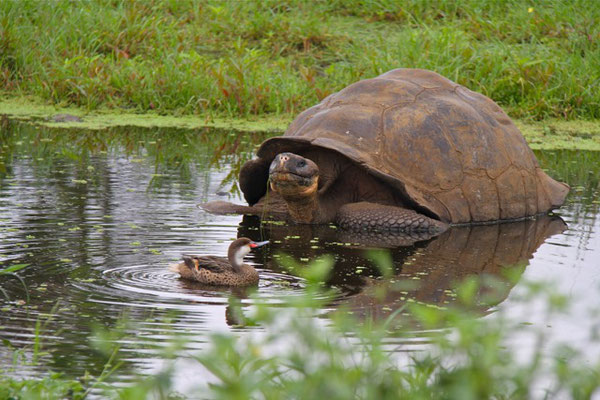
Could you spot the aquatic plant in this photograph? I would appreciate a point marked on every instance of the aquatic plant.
(465, 357)
(297, 353)
(10, 271)
(52, 387)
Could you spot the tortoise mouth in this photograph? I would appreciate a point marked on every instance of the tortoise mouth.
(293, 186)
(291, 179)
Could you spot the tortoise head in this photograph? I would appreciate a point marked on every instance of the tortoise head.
(293, 176)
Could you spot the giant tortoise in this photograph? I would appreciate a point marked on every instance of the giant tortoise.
(407, 150)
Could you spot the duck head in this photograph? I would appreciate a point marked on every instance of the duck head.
(239, 248)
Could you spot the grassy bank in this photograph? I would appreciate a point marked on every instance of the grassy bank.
(36, 111)
(237, 59)
(547, 134)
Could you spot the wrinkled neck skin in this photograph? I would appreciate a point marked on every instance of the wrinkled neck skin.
(305, 206)
(304, 210)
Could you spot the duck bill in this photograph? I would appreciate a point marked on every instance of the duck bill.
(258, 244)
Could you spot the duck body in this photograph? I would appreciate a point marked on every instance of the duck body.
(214, 270)
(221, 271)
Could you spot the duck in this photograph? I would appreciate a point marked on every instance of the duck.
(221, 271)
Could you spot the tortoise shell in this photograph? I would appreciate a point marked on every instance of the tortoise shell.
(452, 151)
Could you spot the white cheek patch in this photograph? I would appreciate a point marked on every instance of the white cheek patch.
(240, 254)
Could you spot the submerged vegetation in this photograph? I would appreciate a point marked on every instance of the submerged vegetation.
(243, 58)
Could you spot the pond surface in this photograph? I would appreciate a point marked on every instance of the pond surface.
(98, 216)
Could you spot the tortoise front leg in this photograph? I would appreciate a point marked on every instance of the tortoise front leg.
(378, 217)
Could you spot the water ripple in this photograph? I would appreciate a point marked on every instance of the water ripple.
(155, 286)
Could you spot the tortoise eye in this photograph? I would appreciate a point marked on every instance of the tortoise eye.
(301, 163)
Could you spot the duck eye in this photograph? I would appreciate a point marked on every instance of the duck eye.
(301, 163)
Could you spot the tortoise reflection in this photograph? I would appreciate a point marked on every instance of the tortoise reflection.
(425, 270)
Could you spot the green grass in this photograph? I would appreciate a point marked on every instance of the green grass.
(239, 59)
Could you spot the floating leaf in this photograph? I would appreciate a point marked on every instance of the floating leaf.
(13, 268)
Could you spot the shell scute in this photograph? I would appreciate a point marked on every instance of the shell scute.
(425, 156)
(511, 190)
(377, 92)
(481, 195)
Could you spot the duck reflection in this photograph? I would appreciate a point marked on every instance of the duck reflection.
(424, 269)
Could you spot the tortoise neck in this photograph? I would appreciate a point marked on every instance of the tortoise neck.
(305, 209)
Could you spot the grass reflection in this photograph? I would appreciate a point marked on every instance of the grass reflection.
(172, 150)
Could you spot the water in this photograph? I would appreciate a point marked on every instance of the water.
(98, 216)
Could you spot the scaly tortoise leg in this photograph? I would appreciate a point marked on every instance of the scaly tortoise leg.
(378, 217)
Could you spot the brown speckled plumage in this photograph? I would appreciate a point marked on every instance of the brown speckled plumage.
(221, 271)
